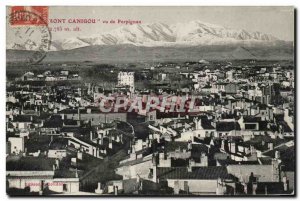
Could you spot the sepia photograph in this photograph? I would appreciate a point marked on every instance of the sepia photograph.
(151, 101)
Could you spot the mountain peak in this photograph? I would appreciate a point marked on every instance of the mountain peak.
(192, 33)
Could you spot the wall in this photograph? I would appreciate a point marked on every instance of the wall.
(263, 172)
(141, 169)
(72, 185)
(56, 185)
(57, 153)
(97, 118)
(17, 144)
(18, 179)
(131, 171)
(196, 186)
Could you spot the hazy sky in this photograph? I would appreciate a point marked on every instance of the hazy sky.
(278, 21)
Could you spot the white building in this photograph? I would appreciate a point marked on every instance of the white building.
(16, 145)
(126, 79)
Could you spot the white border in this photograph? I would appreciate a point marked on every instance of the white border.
(4, 3)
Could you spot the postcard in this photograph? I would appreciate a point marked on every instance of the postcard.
(150, 101)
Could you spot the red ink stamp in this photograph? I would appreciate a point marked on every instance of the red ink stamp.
(29, 24)
(29, 15)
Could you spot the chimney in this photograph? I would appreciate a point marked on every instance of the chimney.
(121, 139)
(245, 188)
(254, 187)
(223, 145)
(213, 123)
(89, 88)
(190, 165)
(79, 155)
(189, 145)
(285, 183)
(91, 135)
(232, 147)
(252, 149)
(110, 143)
(229, 103)
(196, 123)
(154, 159)
(57, 163)
(76, 173)
(268, 99)
(270, 145)
(99, 189)
(176, 187)
(100, 139)
(199, 123)
(116, 190)
(154, 166)
(78, 112)
(203, 160)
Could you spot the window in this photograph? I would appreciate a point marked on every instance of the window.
(150, 176)
(65, 187)
(250, 126)
(186, 186)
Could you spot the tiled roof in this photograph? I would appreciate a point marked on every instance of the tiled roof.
(199, 148)
(70, 122)
(65, 174)
(227, 126)
(261, 142)
(134, 162)
(22, 118)
(206, 124)
(172, 146)
(53, 123)
(200, 173)
(30, 163)
(251, 119)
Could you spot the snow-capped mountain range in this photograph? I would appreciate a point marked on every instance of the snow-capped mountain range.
(159, 34)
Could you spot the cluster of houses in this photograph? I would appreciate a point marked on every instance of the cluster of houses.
(237, 140)
(50, 76)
